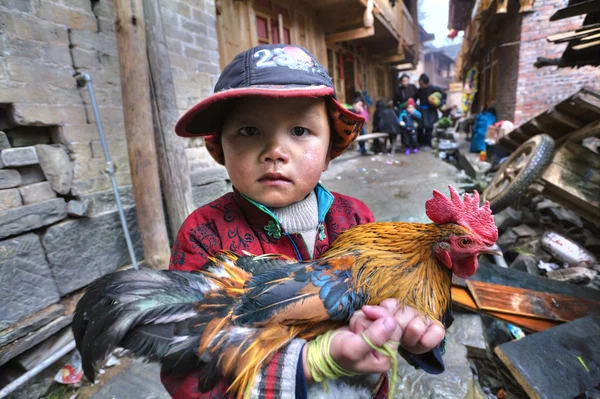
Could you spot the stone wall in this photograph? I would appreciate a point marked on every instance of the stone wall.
(59, 227)
(540, 88)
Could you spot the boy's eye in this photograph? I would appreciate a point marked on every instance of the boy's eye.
(299, 131)
(249, 131)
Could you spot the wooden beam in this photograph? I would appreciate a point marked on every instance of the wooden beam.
(137, 110)
(564, 118)
(349, 35)
(589, 130)
(172, 161)
(568, 36)
(587, 45)
(584, 7)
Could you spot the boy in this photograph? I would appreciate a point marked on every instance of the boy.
(409, 119)
(275, 124)
(386, 121)
(359, 108)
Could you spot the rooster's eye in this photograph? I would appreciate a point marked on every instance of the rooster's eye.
(465, 242)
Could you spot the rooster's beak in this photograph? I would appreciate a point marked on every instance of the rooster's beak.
(493, 250)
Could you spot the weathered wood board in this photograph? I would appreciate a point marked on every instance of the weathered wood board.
(558, 363)
(461, 297)
(499, 298)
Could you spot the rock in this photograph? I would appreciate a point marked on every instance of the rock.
(209, 192)
(104, 201)
(576, 275)
(9, 178)
(566, 217)
(508, 218)
(209, 175)
(31, 323)
(455, 382)
(10, 199)
(467, 330)
(25, 218)
(36, 192)
(22, 156)
(524, 231)
(506, 239)
(26, 282)
(4, 143)
(526, 263)
(19, 346)
(57, 167)
(31, 174)
(100, 248)
(77, 208)
(546, 204)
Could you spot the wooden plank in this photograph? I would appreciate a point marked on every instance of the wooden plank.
(499, 298)
(562, 362)
(365, 137)
(359, 33)
(490, 273)
(574, 34)
(172, 161)
(581, 193)
(564, 118)
(584, 7)
(139, 132)
(589, 130)
(579, 160)
(462, 298)
(586, 45)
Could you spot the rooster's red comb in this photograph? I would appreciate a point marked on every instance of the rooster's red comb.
(467, 213)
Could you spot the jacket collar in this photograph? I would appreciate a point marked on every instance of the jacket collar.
(259, 215)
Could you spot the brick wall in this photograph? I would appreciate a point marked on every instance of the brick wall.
(58, 219)
(538, 89)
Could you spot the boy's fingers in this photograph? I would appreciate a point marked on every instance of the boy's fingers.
(432, 337)
(359, 322)
(376, 312)
(378, 333)
(413, 332)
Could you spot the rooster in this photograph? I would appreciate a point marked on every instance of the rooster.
(231, 317)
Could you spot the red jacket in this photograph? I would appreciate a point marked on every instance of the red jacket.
(237, 223)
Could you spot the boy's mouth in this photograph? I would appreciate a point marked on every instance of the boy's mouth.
(273, 177)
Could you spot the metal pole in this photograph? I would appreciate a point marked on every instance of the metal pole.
(7, 390)
(84, 79)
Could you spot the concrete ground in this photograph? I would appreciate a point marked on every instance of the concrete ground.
(394, 187)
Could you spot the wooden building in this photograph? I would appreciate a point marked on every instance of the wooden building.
(359, 41)
(503, 41)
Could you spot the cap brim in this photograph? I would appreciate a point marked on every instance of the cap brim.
(206, 117)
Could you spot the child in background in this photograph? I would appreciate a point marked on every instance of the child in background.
(385, 121)
(275, 123)
(359, 108)
(409, 119)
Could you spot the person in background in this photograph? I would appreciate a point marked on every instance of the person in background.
(430, 98)
(385, 121)
(359, 108)
(409, 119)
(404, 91)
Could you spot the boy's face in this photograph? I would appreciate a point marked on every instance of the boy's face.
(410, 109)
(276, 149)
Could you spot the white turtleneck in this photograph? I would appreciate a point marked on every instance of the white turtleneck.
(301, 217)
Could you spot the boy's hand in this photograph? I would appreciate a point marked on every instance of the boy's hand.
(418, 333)
(349, 349)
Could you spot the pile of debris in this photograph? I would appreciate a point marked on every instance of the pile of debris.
(544, 239)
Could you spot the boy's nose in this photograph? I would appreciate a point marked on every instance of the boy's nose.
(275, 151)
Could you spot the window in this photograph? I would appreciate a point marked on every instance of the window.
(268, 17)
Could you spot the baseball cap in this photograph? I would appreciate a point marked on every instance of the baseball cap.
(270, 70)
